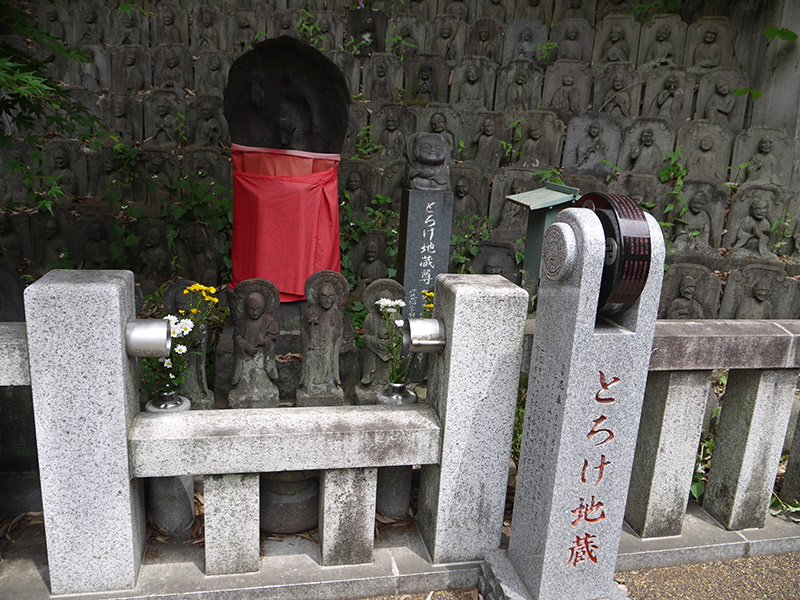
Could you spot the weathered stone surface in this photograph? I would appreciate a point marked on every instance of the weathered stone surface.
(748, 446)
(645, 145)
(767, 152)
(358, 183)
(95, 513)
(575, 467)
(575, 9)
(716, 101)
(661, 42)
(759, 291)
(383, 77)
(231, 521)
(698, 232)
(170, 26)
(266, 439)
(590, 140)
(522, 36)
(689, 292)
(751, 217)
(446, 38)
(14, 369)
(426, 79)
(617, 90)
(669, 431)
(575, 39)
(709, 44)
(518, 86)
(425, 220)
(706, 148)
(668, 94)
(347, 516)
(616, 40)
(537, 137)
(485, 38)
(472, 86)
(567, 88)
(462, 498)
(510, 218)
(701, 345)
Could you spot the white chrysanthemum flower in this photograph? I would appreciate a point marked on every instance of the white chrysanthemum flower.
(383, 302)
(180, 349)
(168, 363)
(172, 319)
(186, 326)
(171, 376)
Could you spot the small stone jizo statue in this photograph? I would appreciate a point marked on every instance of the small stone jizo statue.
(254, 333)
(428, 164)
(321, 336)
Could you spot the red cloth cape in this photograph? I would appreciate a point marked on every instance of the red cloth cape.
(285, 216)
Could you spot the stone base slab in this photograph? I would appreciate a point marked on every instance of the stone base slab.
(288, 570)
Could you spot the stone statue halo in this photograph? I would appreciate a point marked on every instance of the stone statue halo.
(320, 278)
(374, 289)
(172, 295)
(267, 289)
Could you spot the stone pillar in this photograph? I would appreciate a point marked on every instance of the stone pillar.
(233, 541)
(85, 395)
(425, 222)
(347, 516)
(473, 387)
(585, 393)
(748, 447)
(790, 490)
(669, 432)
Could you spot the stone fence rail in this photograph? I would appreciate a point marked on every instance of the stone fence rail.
(95, 446)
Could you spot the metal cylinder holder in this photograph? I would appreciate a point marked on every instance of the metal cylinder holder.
(628, 249)
(423, 335)
(148, 337)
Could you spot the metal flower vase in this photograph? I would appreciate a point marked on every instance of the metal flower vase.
(396, 394)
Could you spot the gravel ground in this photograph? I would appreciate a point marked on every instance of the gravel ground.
(773, 577)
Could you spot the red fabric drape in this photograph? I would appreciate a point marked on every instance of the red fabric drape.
(285, 216)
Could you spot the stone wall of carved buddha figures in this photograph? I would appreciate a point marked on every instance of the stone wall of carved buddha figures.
(590, 91)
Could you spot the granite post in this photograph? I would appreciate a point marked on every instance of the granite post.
(669, 432)
(425, 222)
(232, 534)
(473, 387)
(585, 393)
(85, 396)
(748, 447)
(347, 516)
(790, 490)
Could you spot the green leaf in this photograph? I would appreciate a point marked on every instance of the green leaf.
(741, 91)
(697, 489)
(787, 35)
(770, 32)
(756, 94)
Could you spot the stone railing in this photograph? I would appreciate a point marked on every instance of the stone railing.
(95, 446)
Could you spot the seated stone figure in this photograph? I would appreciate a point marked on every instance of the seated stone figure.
(661, 51)
(757, 305)
(693, 231)
(752, 234)
(762, 167)
(254, 333)
(686, 306)
(428, 165)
